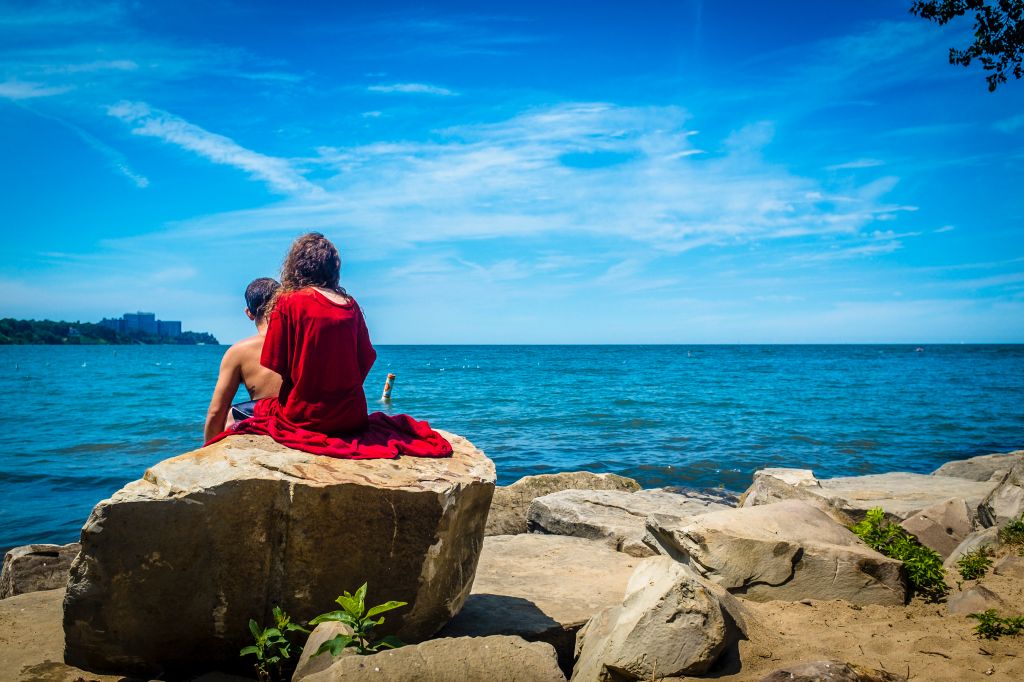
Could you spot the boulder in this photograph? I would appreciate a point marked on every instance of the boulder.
(986, 537)
(617, 518)
(33, 568)
(981, 468)
(1010, 565)
(541, 588)
(942, 526)
(900, 494)
(495, 659)
(831, 671)
(788, 550)
(309, 662)
(173, 566)
(1006, 502)
(671, 624)
(974, 599)
(512, 502)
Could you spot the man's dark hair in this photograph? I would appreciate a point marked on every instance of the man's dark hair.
(258, 295)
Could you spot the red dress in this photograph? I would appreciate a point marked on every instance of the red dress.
(322, 351)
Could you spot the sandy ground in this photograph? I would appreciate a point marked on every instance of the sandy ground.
(920, 640)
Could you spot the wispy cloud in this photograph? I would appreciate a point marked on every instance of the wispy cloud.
(857, 164)
(412, 89)
(1009, 125)
(278, 173)
(18, 90)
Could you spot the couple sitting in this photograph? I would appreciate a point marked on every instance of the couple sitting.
(306, 366)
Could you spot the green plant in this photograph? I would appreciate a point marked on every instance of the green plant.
(272, 647)
(973, 565)
(923, 566)
(992, 626)
(353, 613)
(1013, 532)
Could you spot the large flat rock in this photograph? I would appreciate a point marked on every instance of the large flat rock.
(173, 566)
(789, 550)
(981, 468)
(541, 588)
(900, 494)
(511, 503)
(617, 518)
(464, 659)
(33, 568)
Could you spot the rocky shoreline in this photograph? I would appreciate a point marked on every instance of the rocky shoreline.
(575, 576)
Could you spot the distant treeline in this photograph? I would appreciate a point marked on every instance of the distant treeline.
(48, 332)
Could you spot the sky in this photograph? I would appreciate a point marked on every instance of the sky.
(527, 172)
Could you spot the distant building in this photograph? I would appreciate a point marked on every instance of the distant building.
(169, 328)
(142, 324)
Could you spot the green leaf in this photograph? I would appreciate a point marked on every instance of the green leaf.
(335, 645)
(334, 616)
(254, 628)
(350, 604)
(390, 642)
(360, 596)
(271, 632)
(249, 650)
(386, 606)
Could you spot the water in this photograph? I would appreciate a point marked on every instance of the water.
(77, 423)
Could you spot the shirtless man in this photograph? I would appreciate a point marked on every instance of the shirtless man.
(241, 364)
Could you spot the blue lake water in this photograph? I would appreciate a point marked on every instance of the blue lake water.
(77, 423)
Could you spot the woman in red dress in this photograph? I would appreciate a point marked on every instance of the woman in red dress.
(318, 342)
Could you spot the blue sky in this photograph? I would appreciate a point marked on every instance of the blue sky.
(645, 172)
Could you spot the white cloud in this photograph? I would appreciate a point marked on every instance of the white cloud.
(1009, 125)
(277, 173)
(412, 88)
(18, 90)
(858, 163)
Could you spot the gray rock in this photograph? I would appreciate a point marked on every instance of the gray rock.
(974, 599)
(1006, 502)
(512, 502)
(788, 550)
(309, 662)
(831, 671)
(899, 494)
(942, 526)
(222, 534)
(671, 623)
(33, 568)
(1010, 565)
(986, 537)
(618, 518)
(495, 659)
(981, 468)
(541, 588)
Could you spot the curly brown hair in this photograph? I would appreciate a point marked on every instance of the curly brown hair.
(312, 261)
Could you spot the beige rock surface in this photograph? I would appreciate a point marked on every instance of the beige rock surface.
(222, 534)
(464, 659)
(975, 599)
(512, 502)
(618, 518)
(1010, 565)
(671, 623)
(985, 537)
(33, 568)
(943, 526)
(542, 588)
(831, 671)
(788, 550)
(1006, 502)
(982, 468)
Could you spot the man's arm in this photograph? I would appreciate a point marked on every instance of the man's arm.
(227, 385)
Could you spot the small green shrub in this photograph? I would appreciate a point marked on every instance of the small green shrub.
(362, 622)
(1013, 532)
(974, 564)
(992, 626)
(272, 647)
(923, 565)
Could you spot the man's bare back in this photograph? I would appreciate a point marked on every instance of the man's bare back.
(241, 363)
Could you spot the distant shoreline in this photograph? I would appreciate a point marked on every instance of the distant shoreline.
(59, 333)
